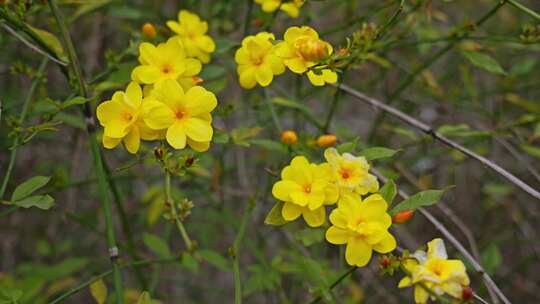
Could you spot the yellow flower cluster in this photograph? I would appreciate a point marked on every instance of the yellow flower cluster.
(306, 189)
(301, 51)
(292, 7)
(433, 270)
(171, 105)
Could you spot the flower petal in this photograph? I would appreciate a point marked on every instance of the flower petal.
(358, 253)
(146, 74)
(291, 211)
(200, 101)
(314, 218)
(337, 235)
(132, 140)
(386, 244)
(198, 129)
(176, 136)
(284, 188)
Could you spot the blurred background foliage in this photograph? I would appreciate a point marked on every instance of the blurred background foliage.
(477, 84)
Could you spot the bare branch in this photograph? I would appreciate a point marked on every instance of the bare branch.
(438, 137)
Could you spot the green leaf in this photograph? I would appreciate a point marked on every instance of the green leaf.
(491, 259)
(348, 147)
(190, 262)
(388, 192)
(424, 198)
(215, 259)
(50, 40)
(484, 61)
(28, 187)
(270, 145)
(98, 290)
(157, 245)
(274, 217)
(289, 103)
(43, 202)
(310, 236)
(212, 72)
(377, 152)
(144, 298)
(531, 150)
(79, 100)
(87, 7)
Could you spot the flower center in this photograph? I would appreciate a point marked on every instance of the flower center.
(345, 173)
(307, 188)
(180, 114)
(166, 69)
(127, 116)
(311, 49)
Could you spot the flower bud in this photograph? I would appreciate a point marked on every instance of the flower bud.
(402, 217)
(326, 140)
(312, 49)
(385, 262)
(289, 137)
(197, 80)
(149, 30)
(466, 293)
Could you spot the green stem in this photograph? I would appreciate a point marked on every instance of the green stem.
(135, 264)
(103, 183)
(248, 17)
(130, 244)
(272, 110)
(22, 117)
(524, 9)
(336, 282)
(236, 249)
(177, 220)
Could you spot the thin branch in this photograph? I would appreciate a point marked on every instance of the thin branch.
(413, 122)
(450, 237)
(336, 282)
(524, 9)
(235, 250)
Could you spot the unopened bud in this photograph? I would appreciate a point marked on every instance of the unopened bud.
(466, 293)
(158, 153)
(189, 161)
(402, 217)
(385, 262)
(197, 80)
(326, 140)
(289, 137)
(312, 49)
(149, 30)
(258, 22)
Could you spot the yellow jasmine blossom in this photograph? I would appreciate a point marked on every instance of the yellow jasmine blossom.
(292, 8)
(363, 226)
(165, 61)
(257, 62)
(351, 173)
(185, 116)
(122, 118)
(192, 32)
(301, 50)
(436, 272)
(305, 188)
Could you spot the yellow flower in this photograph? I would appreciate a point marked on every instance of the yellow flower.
(351, 173)
(185, 116)
(302, 50)
(292, 8)
(436, 272)
(305, 188)
(192, 32)
(257, 62)
(165, 61)
(363, 226)
(122, 118)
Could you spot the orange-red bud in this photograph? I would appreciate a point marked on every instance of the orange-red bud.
(149, 30)
(466, 293)
(197, 80)
(289, 137)
(402, 217)
(326, 140)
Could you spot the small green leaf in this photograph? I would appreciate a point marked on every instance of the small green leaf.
(388, 192)
(28, 187)
(531, 150)
(79, 100)
(98, 290)
(484, 61)
(348, 147)
(43, 202)
(270, 145)
(377, 152)
(52, 42)
(215, 259)
(190, 262)
(144, 298)
(289, 103)
(157, 245)
(491, 259)
(424, 198)
(274, 217)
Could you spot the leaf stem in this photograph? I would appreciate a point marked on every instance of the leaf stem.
(22, 117)
(170, 201)
(103, 183)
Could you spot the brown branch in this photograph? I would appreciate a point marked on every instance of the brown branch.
(438, 137)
